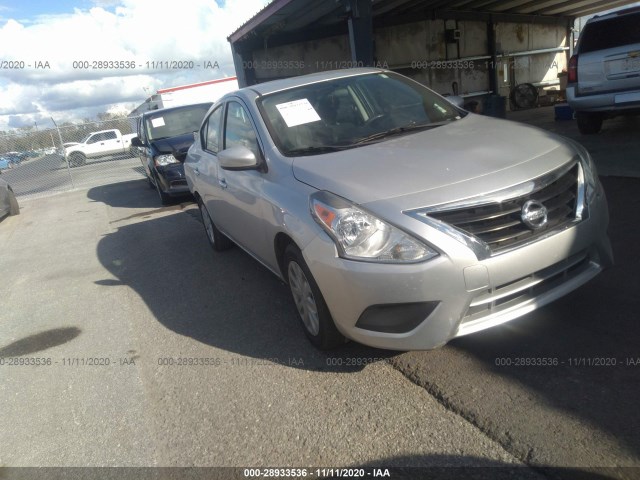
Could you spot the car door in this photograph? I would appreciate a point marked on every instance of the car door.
(94, 144)
(204, 158)
(238, 210)
(112, 143)
(146, 151)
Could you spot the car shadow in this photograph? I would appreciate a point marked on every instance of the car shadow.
(226, 300)
(39, 342)
(130, 194)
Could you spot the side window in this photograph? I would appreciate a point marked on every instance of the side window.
(95, 138)
(239, 130)
(141, 135)
(210, 134)
(110, 135)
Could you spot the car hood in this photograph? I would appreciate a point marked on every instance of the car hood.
(179, 144)
(472, 156)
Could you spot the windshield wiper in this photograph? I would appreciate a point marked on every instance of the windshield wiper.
(318, 149)
(398, 130)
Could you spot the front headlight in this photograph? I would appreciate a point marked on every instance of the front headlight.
(360, 235)
(163, 160)
(589, 169)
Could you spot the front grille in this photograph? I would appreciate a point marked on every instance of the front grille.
(525, 290)
(500, 225)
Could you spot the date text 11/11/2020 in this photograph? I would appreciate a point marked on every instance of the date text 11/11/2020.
(570, 362)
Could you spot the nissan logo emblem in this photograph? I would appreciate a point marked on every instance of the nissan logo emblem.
(534, 214)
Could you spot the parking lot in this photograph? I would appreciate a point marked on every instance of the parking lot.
(155, 351)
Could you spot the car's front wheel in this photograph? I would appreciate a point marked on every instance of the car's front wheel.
(312, 309)
(217, 239)
(164, 198)
(589, 122)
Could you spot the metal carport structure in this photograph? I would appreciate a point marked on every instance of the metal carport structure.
(425, 39)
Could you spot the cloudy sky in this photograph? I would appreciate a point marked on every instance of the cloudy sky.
(41, 39)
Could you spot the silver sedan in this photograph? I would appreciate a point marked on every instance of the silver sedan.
(397, 219)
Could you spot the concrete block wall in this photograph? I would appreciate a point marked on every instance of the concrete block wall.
(415, 48)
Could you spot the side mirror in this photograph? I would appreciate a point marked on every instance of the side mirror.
(237, 158)
(135, 142)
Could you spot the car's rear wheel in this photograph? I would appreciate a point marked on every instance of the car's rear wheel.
(312, 309)
(77, 159)
(217, 239)
(589, 122)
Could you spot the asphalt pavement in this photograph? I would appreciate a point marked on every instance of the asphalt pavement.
(157, 351)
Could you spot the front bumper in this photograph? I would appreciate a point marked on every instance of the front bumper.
(172, 179)
(458, 294)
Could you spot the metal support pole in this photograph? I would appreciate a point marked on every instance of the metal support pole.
(64, 152)
(360, 32)
(491, 42)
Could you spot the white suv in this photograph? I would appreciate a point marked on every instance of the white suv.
(604, 73)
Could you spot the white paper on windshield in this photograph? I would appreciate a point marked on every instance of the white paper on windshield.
(298, 112)
(157, 122)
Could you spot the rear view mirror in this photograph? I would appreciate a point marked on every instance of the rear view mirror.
(135, 142)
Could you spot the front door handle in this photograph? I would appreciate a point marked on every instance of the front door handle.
(196, 171)
(222, 182)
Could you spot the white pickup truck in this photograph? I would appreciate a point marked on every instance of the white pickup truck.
(99, 144)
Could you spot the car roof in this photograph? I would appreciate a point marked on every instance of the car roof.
(618, 13)
(179, 107)
(292, 82)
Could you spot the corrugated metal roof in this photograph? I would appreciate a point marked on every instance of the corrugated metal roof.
(283, 16)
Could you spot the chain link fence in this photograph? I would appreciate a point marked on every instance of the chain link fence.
(41, 162)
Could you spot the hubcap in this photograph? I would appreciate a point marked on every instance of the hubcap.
(208, 224)
(303, 298)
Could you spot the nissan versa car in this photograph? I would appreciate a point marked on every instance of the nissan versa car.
(397, 219)
(604, 73)
(164, 136)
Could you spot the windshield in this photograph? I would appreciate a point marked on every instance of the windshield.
(175, 122)
(350, 112)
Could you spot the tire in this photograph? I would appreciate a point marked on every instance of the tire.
(218, 241)
(313, 312)
(164, 198)
(77, 160)
(589, 123)
(14, 208)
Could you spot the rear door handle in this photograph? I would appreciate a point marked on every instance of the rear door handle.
(223, 183)
(196, 171)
